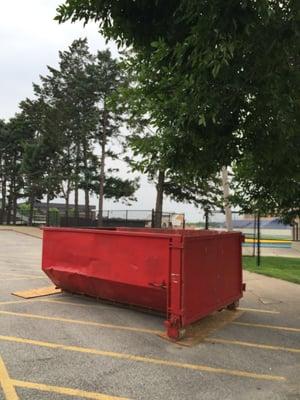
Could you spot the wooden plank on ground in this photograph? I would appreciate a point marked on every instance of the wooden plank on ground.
(39, 292)
(199, 331)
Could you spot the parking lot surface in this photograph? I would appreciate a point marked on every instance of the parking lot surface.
(72, 347)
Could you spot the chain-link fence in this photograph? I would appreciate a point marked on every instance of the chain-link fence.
(270, 227)
(129, 218)
(111, 218)
(23, 217)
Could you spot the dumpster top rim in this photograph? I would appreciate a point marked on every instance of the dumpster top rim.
(112, 232)
(146, 233)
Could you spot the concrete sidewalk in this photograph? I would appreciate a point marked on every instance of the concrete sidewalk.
(273, 291)
(274, 252)
(25, 230)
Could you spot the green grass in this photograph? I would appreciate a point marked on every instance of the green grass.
(284, 268)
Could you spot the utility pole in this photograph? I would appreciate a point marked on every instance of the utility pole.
(227, 207)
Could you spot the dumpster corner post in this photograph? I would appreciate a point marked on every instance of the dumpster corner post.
(174, 322)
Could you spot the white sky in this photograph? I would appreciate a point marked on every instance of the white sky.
(30, 40)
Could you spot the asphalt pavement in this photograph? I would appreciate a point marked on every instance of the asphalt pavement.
(72, 347)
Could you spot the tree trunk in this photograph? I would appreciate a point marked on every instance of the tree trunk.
(3, 204)
(206, 216)
(87, 203)
(76, 210)
(11, 190)
(31, 209)
(102, 170)
(227, 206)
(10, 202)
(48, 210)
(67, 207)
(2, 183)
(15, 198)
(8, 211)
(86, 187)
(159, 199)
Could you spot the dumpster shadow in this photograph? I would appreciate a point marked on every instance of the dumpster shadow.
(199, 331)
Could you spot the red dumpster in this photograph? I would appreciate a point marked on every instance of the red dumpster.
(183, 273)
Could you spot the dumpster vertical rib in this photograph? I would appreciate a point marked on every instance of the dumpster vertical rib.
(174, 321)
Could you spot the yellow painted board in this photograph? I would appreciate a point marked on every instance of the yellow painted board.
(198, 331)
(39, 292)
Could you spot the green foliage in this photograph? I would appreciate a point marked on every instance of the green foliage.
(220, 81)
(54, 217)
(49, 148)
(218, 66)
(267, 182)
(24, 207)
(77, 93)
(203, 192)
(121, 189)
(13, 137)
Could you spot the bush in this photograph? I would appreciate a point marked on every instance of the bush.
(54, 217)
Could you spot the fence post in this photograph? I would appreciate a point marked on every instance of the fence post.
(254, 235)
(152, 219)
(258, 239)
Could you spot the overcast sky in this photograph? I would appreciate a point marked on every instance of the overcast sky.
(30, 40)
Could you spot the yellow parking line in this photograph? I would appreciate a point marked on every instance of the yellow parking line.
(19, 275)
(21, 269)
(76, 304)
(258, 310)
(5, 303)
(6, 383)
(147, 360)
(65, 391)
(36, 300)
(281, 328)
(22, 279)
(81, 322)
(250, 344)
(71, 303)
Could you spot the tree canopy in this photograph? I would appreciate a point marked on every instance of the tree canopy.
(223, 76)
(51, 148)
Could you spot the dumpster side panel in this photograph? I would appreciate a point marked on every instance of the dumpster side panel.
(211, 275)
(116, 266)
